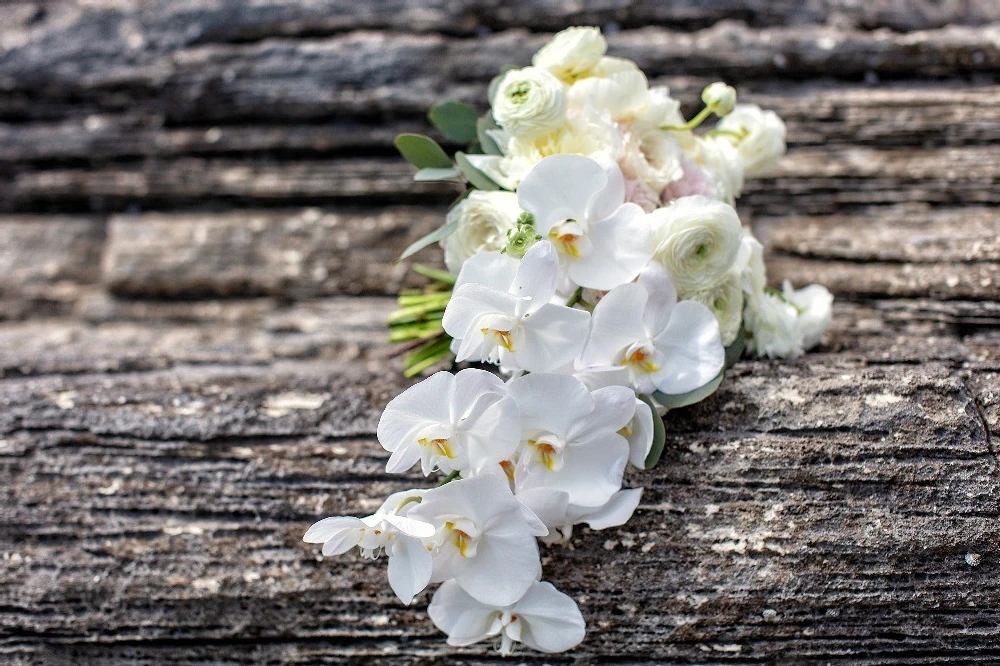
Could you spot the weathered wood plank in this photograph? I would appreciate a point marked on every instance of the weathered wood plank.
(810, 180)
(911, 114)
(876, 488)
(114, 67)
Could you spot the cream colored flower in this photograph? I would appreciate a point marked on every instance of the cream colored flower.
(572, 53)
(651, 155)
(719, 97)
(814, 304)
(483, 219)
(725, 301)
(529, 102)
(771, 326)
(616, 86)
(758, 135)
(723, 164)
(696, 240)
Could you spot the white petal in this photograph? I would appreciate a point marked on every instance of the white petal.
(616, 511)
(692, 349)
(326, 529)
(552, 620)
(469, 304)
(537, 274)
(591, 472)
(662, 298)
(550, 402)
(409, 568)
(615, 324)
(502, 569)
(493, 436)
(409, 526)
(551, 337)
(640, 441)
(620, 249)
(453, 611)
(490, 269)
(549, 505)
(614, 407)
(415, 408)
(558, 188)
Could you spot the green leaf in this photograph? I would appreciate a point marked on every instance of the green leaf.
(422, 151)
(486, 142)
(434, 274)
(476, 178)
(456, 121)
(735, 351)
(440, 233)
(432, 174)
(691, 397)
(659, 435)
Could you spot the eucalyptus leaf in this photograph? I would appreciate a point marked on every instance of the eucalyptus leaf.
(440, 233)
(456, 121)
(735, 350)
(476, 178)
(432, 174)
(422, 151)
(486, 142)
(691, 397)
(659, 434)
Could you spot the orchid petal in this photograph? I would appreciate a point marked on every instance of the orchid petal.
(558, 188)
(551, 337)
(465, 620)
(552, 620)
(692, 348)
(409, 568)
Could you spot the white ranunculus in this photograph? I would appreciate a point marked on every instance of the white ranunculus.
(750, 263)
(483, 219)
(725, 301)
(696, 240)
(618, 87)
(723, 164)
(572, 53)
(758, 135)
(771, 326)
(529, 102)
(814, 304)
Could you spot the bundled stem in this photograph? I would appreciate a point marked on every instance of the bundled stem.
(418, 323)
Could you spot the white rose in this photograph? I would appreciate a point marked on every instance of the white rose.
(529, 102)
(651, 155)
(723, 163)
(726, 302)
(572, 53)
(483, 219)
(696, 240)
(758, 135)
(771, 327)
(814, 304)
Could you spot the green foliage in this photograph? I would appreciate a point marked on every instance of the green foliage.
(476, 178)
(455, 120)
(659, 435)
(673, 401)
(422, 152)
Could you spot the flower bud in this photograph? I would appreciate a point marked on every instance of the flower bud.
(719, 97)
(529, 102)
(523, 236)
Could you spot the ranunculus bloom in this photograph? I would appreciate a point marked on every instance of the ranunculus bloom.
(482, 221)
(529, 102)
(572, 53)
(759, 137)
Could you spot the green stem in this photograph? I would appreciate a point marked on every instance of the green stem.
(433, 273)
(575, 298)
(416, 313)
(448, 479)
(691, 124)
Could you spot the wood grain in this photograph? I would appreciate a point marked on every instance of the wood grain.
(199, 211)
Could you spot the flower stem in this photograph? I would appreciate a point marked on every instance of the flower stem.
(691, 124)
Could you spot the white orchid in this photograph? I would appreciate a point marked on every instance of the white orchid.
(555, 510)
(570, 438)
(544, 619)
(389, 530)
(484, 539)
(579, 205)
(638, 432)
(670, 346)
(463, 422)
(501, 313)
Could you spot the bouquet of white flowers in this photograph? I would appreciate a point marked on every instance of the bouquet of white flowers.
(596, 258)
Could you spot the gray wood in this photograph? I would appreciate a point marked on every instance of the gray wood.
(199, 211)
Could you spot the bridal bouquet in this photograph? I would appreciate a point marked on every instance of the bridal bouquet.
(596, 259)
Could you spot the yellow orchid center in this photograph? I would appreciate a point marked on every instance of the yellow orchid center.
(504, 338)
(640, 359)
(440, 446)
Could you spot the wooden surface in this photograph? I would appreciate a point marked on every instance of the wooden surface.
(199, 207)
